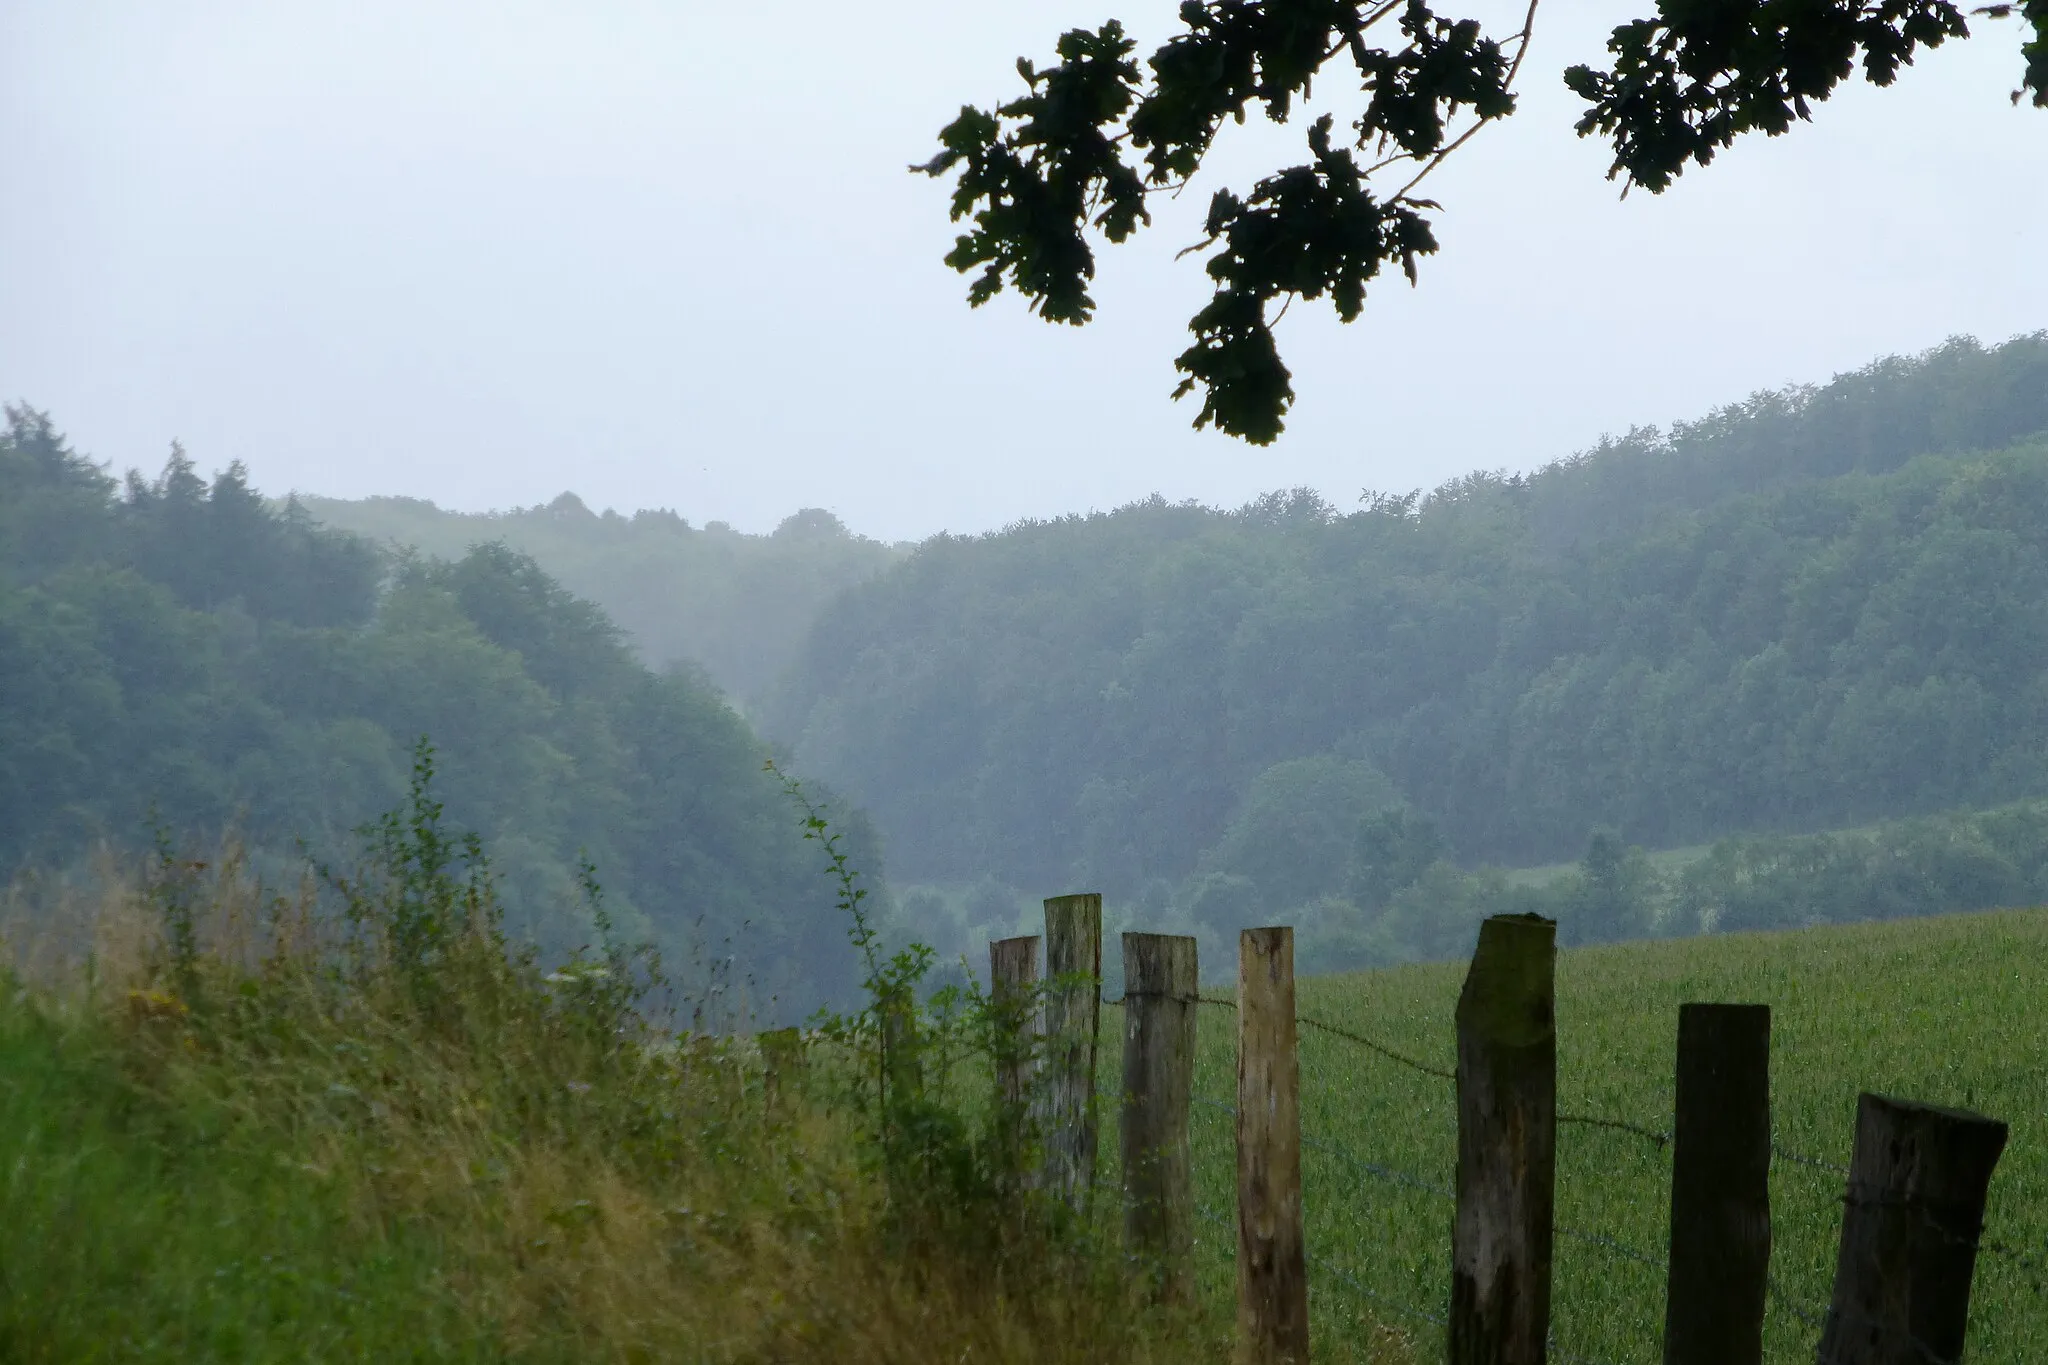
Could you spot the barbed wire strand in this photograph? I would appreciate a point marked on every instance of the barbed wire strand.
(1396, 1176)
(1614, 1245)
(1389, 1053)
(1658, 1136)
(1390, 1174)
(2012, 1254)
(1661, 1137)
(1393, 1175)
(1800, 1159)
(1784, 1299)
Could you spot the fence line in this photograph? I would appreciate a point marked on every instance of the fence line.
(1518, 977)
(1619, 1248)
(1817, 1163)
(1783, 1298)
(2014, 1256)
(1658, 1136)
(1389, 1174)
(1408, 1179)
(1381, 1048)
(1393, 1175)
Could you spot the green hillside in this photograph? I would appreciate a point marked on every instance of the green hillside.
(735, 605)
(1812, 610)
(180, 659)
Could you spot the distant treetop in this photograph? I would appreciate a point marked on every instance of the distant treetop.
(811, 523)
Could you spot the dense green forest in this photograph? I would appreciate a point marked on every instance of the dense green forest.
(733, 604)
(1814, 609)
(178, 652)
(1817, 609)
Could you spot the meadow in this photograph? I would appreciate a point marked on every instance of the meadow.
(1948, 1010)
(238, 1125)
(352, 1121)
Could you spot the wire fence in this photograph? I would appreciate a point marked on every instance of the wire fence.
(1811, 1317)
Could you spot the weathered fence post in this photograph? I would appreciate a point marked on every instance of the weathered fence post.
(1272, 1268)
(1161, 983)
(1720, 1187)
(1073, 1013)
(1013, 990)
(1910, 1223)
(1013, 982)
(1507, 1145)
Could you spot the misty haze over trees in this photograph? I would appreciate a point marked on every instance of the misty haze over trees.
(735, 605)
(1810, 610)
(1806, 612)
(176, 651)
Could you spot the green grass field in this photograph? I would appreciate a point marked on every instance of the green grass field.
(1952, 1010)
(309, 1170)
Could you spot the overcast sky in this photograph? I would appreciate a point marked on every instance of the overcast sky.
(667, 254)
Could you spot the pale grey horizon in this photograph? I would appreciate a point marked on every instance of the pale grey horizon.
(670, 255)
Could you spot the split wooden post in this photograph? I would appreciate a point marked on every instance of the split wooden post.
(1910, 1223)
(1720, 1187)
(1013, 990)
(1507, 1146)
(1073, 1016)
(1272, 1257)
(1013, 982)
(1161, 985)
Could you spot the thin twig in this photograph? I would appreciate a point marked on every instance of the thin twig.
(1514, 70)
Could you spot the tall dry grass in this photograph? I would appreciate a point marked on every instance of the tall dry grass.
(251, 1121)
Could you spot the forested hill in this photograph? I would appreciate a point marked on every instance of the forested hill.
(179, 646)
(736, 605)
(1811, 609)
(1957, 397)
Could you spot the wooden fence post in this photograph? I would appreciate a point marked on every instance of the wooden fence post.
(1161, 984)
(1910, 1223)
(1507, 1146)
(1073, 1016)
(1013, 989)
(1272, 1265)
(1013, 981)
(1720, 1187)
